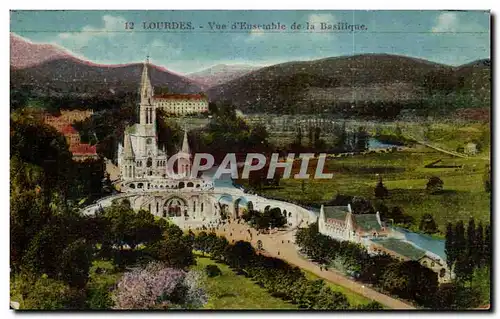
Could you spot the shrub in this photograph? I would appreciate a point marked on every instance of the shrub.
(213, 271)
(157, 286)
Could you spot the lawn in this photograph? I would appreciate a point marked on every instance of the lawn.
(231, 291)
(405, 176)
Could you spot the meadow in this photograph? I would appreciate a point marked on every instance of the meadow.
(405, 176)
(232, 291)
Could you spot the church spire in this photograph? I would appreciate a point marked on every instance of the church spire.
(146, 89)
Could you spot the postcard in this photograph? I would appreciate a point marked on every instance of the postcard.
(249, 160)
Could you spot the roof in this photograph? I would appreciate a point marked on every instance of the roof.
(68, 129)
(400, 247)
(367, 221)
(169, 96)
(335, 212)
(83, 149)
(429, 243)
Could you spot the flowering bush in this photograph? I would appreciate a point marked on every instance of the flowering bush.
(160, 287)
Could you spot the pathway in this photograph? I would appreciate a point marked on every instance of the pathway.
(281, 245)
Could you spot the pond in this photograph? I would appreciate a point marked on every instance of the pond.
(374, 144)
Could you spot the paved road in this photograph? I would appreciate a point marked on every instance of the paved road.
(281, 245)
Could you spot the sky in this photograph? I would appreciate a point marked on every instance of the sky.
(449, 37)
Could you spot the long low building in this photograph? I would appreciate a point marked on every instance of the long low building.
(341, 223)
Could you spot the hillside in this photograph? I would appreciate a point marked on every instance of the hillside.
(356, 85)
(24, 54)
(76, 77)
(220, 74)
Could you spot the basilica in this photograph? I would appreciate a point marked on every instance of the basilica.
(171, 190)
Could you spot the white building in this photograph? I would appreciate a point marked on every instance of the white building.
(340, 223)
(173, 104)
(150, 183)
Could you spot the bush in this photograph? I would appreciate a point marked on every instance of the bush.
(99, 298)
(212, 271)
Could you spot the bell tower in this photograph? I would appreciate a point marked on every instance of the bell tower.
(147, 112)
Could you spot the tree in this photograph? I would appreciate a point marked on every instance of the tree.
(240, 254)
(411, 280)
(361, 140)
(450, 246)
(212, 271)
(173, 251)
(157, 286)
(74, 263)
(471, 242)
(487, 246)
(487, 179)
(276, 218)
(48, 294)
(380, 190)
(362, 205)
(479, 244)
(434, 185)
(427, 224)
(459, 239)
(464, 268)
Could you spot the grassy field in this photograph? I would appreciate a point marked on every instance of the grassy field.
(231, 291)
(405, 176)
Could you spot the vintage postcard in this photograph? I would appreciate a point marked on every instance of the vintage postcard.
(249, 160)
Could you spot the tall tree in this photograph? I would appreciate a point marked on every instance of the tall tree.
(361, 140)
(479, 246)
(471, 241)
(487, 179)
(380, 189)
(487, 246)
(459, 236)
(450, 249)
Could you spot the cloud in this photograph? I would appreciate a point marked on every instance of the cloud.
(80, 39)
(450, 22)
(316, 18)
(446, 22)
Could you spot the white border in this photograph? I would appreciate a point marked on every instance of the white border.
(205, 5)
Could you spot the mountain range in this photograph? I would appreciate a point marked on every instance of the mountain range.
(348, 81)
(330, 84)
(221, 73)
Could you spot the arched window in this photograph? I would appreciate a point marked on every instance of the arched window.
(442, 272)
(149, 140)
(149, 163)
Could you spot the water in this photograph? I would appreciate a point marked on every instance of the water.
(374, 144)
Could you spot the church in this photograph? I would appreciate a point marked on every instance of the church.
(165, 191)
(368, 230)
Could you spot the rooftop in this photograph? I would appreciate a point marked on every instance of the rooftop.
(169, 96)
(336, 212)
(400, 247)
(367, 221)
